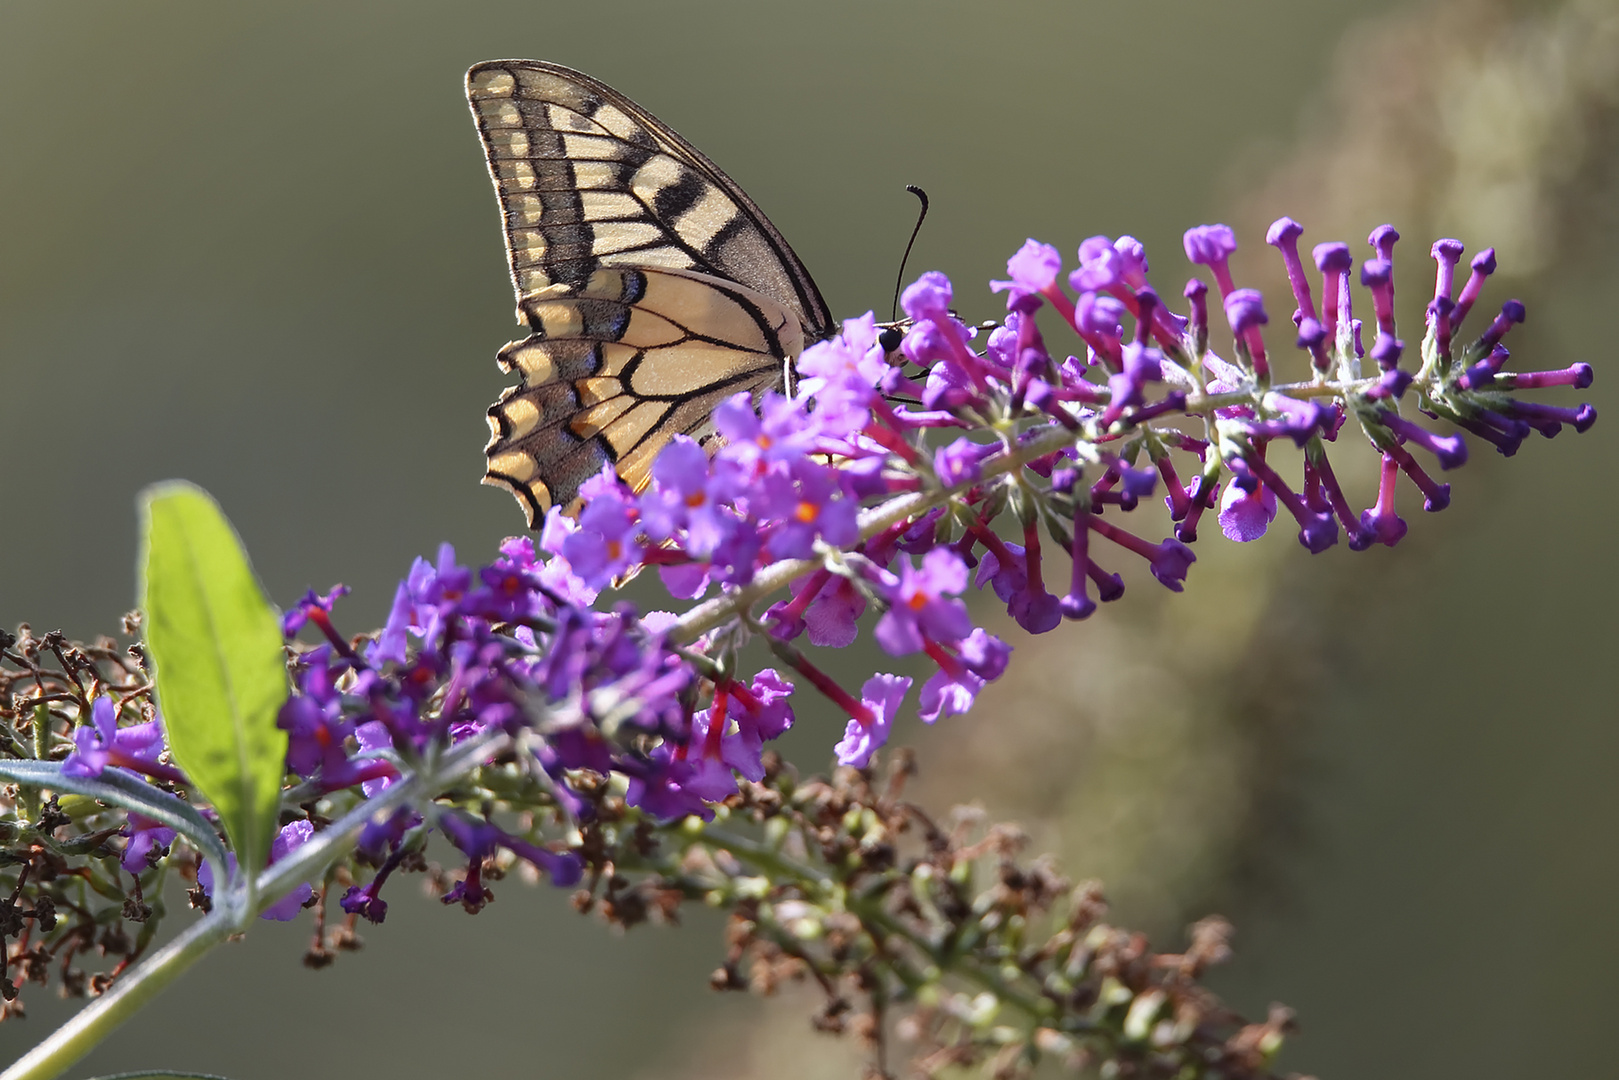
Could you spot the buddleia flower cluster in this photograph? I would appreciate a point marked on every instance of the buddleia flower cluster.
(907, 471)
(513, 713)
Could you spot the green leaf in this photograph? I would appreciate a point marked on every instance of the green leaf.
(215, 643)
(117, 788)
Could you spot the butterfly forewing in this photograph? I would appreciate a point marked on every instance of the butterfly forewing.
(587, 179)
(653, 286)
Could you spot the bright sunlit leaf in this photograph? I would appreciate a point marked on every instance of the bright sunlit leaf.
(216, 644)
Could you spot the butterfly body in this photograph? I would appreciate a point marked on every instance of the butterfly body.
(652, 285)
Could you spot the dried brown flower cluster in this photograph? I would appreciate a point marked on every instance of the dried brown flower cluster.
(63, 900)
(934, 938)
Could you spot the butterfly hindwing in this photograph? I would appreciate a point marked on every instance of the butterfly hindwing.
(653, 286)
(618, 366)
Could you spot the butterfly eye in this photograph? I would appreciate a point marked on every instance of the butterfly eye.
(890, 340)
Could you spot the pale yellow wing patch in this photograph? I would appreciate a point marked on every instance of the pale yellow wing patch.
(618, 366)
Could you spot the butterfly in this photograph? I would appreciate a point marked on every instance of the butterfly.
(652, 286)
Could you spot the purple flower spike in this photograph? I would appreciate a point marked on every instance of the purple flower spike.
(1446, 254)
(1481, 376)
(1450, 450)
(985, 654)
(1099, 314)
(832, 620)
(1332, 257)
(1170, 563)
(1386, 350)
(1439, 312)
(1097, 319)
(809, 503)
(1334, 262)
(1178, 501)
(1549, 419)
(478, 840)
(1137, 482)
(1483, 266)
(1317, 531)
(1378, 276)
(923, 605)
(1512, 312)
(1174, 401)
(364, 901)
(928, 298)
(146, 841)
(1141, 364)
(950, 692)
(1297, 420)
(1197, 292)
(1381, 522)
(1435, 496)
(1211, 246)
(1201, 494)
(1245, 513)
(960, 461)
(316, 729)
(1393, 384)
(1576, 375)
(953, 689)
(1168, 560)
(1100, 266)
(1504, 434)
(1035, 609)
(1245, 311)
(881, 697)
(841, 374)
(1321, 469)
(102, 743)
(1033, 271)
(1382, 240)
(1109, 587)
(290, 839)
(1132, 261)
(604, 547)
(1077, 604)
(1283, 235)
(679, 485)
(1312, 337)
(317, 609)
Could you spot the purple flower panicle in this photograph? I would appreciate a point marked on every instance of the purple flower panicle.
(895, 483)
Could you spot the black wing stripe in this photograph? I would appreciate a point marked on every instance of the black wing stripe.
(538, 119)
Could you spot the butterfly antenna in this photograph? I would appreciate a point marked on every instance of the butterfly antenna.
(893, 312)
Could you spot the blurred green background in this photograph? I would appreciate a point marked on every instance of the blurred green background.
(255, 246)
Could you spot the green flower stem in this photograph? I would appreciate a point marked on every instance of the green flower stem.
(960, 964)
(136, 987)
(777, 867)
(93, 1023)
(27, 794)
